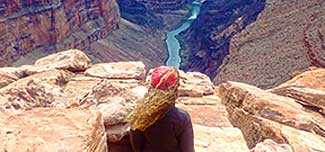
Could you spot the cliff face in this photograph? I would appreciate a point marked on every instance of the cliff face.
(138, 13)
(144, 12)
(53, 25)
(288, 36)
(164, 5)
(207, 40)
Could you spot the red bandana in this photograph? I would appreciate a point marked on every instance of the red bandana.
(164, 78)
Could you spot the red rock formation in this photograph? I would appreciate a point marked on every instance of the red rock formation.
(287, 37)
(261, 115)
(56, 25)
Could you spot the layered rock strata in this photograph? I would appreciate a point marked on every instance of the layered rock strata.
(286, 37)
(146, 13)
(307, 88)
(136, 12)
(286, 119)
(53, 25)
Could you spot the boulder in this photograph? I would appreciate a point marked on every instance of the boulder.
(115, 99)
(194, 84)
(262, 115)
(212, 139)
(256, 129)
(118, 70)
(72, 60)
(269, 145)
(108, 90)
(277, 108)
(39, 90)
(52, 130)
(116, 133)
(307, 88)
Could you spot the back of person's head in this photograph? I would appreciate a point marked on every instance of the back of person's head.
(165, 78)
(160, 97)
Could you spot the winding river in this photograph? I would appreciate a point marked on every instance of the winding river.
(173, 44)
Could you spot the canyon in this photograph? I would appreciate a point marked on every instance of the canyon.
(141, 32)
(207, 40)
(107, 31)
(234, 40)
(266, 59)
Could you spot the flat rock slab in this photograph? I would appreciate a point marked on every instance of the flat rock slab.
(213, 139)
(72, 60)
(194, 84)
(52, 130)
(118, 70)
(78, 88)
(206, 110)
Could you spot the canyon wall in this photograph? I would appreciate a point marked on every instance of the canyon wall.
(138, 13)
(145, 12)
(53, 25)
(165, 5)
(207, 40)
(288, 36)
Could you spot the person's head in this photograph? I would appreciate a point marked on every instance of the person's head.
(165, 78)
(160, 97)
